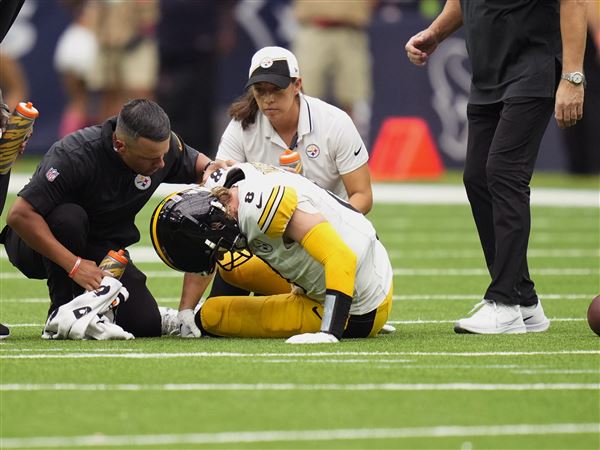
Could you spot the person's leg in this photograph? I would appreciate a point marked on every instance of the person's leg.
(252, 276)
(483, 121)
(509, 170)
(4, 180)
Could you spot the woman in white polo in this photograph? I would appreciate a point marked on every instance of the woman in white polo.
(274, 115)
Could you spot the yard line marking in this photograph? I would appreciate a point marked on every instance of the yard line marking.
(478, 297)
(140, 355)
(408, 297)
(579, 271)
(230, 437)
(418, 322)
(478, 253)
(400, 322)
(575, 271)
(304, 387)
(555, 371)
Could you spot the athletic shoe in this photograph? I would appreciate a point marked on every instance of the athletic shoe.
(169, 323)
(4, 331)
(534, 318)
(387, 329)
(492, 318)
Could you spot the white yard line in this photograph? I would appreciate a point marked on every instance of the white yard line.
(394, 322)
(233, 437)
(411, 193)
(69, 354)
(305, 387)
(467, 272)
(396, 298)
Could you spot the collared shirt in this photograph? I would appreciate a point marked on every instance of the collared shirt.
(514, 47)
(328, 142)
(83, 168)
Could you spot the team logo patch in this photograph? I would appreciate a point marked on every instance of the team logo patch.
(266, 63)
(142, 182)
(52, 174)
(312, 151)
(258, 246)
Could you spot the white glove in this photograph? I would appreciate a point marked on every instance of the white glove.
(188, 325)
(313, 338)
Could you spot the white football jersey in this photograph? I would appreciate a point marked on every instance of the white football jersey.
(328, 142)
(268, 196)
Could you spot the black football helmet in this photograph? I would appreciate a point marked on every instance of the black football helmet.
(191, 232)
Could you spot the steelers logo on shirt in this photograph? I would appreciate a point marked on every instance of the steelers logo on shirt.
(312, 151)
(142, 182)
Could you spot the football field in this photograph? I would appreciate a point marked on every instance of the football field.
(423, 387)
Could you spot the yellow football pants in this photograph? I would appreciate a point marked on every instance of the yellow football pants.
(280, 315)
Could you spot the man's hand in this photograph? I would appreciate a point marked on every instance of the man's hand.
(568, 108)
(88, 275)
(421, 46)
(216, 165)
(188, 326)
(313, 338)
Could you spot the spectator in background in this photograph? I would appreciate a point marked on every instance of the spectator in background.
(191, 37)
(583, 139)
(74, 58)
(332, 45)
(515, 51)
(127, 63)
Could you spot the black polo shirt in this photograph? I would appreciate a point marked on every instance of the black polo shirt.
(83, 168)
(514, 47)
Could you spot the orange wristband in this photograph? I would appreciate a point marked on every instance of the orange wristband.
(75, 267)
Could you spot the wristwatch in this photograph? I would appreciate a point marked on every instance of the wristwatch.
(574, 77)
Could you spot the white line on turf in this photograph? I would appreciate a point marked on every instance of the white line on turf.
(140, 355)
(306, 387)
(96, 440)
(568, 271)
(394, 322)
(409, 297)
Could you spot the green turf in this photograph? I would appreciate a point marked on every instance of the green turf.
(294, 388)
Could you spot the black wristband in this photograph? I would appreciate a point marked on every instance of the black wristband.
(336, 312)
(206, 166)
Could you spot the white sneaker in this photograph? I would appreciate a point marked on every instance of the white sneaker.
(492, 318)
(534, 318)
(169, 323)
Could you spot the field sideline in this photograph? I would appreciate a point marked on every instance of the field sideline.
(423, 387)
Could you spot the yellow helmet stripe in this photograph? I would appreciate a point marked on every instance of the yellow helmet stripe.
(153, 232)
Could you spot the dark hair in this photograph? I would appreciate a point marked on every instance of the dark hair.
(244, 108)
(144, 118)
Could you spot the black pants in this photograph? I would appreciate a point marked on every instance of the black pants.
(503, 144)
(69, 223)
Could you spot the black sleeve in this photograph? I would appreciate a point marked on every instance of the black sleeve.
(183, 157)
(56, 180)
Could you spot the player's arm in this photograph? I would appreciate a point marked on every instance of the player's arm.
(194, 286)
(358, 187)
(34, 230)
(324, 244)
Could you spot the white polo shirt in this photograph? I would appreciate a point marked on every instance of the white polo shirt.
(328, 142)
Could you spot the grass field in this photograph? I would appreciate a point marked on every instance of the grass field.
(423, 387)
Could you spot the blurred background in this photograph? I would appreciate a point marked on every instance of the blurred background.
(78, 61)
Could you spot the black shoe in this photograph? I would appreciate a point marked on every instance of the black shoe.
(4, 331)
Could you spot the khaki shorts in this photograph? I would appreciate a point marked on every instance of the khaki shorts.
(135, 69)
(337, 54)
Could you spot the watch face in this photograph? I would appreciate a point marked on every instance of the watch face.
(576, 78)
